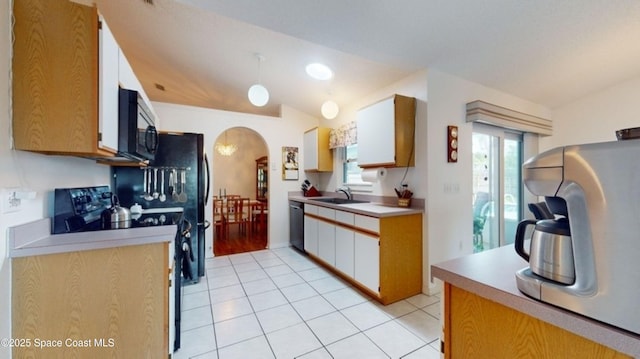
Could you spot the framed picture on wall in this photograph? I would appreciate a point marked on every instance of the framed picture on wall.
(289, 163)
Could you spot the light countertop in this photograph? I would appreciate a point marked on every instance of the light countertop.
(35, 238)
(373, 209)
(491, 274)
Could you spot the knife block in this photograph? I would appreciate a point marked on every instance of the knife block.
(312, 192)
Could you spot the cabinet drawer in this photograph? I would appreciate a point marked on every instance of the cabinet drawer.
(367, 223)
(327, 213)
(309, 208)
(345, 217)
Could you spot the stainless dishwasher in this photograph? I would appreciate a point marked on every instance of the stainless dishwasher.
(296, 225)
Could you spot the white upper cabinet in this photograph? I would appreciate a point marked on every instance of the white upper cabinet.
(129, 80)
(317, 155)
(127, 77)
(386, 133)
(108, 93)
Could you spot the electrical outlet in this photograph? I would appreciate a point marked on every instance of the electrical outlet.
(10, 200)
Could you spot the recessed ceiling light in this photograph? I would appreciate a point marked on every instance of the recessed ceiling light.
(319, 71)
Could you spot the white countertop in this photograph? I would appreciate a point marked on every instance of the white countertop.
(373, 209)
(35, 238)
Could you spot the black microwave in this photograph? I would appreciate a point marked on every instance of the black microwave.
(137, 133)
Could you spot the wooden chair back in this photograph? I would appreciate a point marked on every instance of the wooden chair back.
(218, 210)
(259, 216)
(233, 209)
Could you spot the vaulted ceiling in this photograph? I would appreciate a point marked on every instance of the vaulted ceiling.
(202, 52)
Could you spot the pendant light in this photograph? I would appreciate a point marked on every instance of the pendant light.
(258, 94)
(225, 148)
(329, 110)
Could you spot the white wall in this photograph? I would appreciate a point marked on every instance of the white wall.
(596, 117)
(414, 85)
(450, 213)
(277, 132)
(447, 224)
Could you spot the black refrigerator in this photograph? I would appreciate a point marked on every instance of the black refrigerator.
(177, 177)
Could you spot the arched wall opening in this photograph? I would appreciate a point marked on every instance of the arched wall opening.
(236, 174)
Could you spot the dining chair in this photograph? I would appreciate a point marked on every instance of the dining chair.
(219, 218)
(246, 213)
(259, 217)
(237, 213)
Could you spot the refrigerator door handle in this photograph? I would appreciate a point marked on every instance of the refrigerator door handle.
(206, 224)
(207, 180)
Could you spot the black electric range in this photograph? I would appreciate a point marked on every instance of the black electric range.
(79, 210)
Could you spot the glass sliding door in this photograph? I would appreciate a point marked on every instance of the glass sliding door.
(513, 199)
(497, 186)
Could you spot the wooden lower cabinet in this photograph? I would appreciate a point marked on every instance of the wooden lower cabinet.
(476, 327)
(105, 303)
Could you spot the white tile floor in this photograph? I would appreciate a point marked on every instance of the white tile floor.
(279, 304)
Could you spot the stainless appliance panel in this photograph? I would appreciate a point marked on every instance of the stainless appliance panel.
(600, 184)
(296, 225)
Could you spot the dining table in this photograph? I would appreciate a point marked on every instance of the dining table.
(245, 212)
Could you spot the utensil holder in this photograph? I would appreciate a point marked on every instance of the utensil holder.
(404, 202)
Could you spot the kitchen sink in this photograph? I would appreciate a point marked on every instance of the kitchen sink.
(335, 200)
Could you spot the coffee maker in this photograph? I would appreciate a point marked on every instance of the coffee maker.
(550, 248)
(600, 185)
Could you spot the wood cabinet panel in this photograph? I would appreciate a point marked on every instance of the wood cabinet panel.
(118, 295)
(400, 257)
(65, 81)
(479, 328)
(55, 80)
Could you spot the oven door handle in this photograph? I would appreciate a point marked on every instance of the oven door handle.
(186, 232)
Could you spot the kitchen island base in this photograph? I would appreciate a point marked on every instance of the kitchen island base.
(479, 328)
(486, 316)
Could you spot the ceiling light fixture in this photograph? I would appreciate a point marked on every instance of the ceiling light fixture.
(319, 71)
(258, 94)
(329, 110)
(225, 149)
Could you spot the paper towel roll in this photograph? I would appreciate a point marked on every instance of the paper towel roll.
(373, 174)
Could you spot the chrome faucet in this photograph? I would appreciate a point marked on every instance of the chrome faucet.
(346, 191)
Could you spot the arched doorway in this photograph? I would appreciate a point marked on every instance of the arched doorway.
(240, 226)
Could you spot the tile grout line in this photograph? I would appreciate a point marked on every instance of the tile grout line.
(286, 260)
